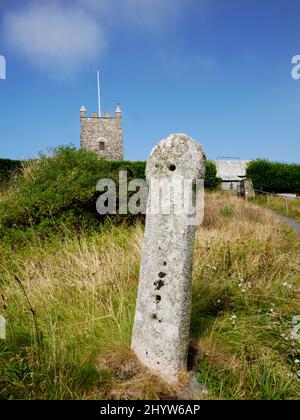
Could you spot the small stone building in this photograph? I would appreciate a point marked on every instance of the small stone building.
(102, 135)
(231, 171)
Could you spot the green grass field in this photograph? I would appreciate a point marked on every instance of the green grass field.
(69, 301)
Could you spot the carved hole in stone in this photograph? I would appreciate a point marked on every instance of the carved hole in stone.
(161, 275)
(165, 263)
(153, 316)
(158, 298)
(146, 353)
(192, 357)
(172, 168)
(159, 284)
(158, 363)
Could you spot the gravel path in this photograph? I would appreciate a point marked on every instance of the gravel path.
(293, 223)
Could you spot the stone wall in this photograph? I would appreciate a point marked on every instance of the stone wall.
(94, 130)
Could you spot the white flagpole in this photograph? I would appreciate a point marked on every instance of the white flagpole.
(99, 97)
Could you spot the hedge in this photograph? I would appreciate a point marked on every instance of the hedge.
(274, 177)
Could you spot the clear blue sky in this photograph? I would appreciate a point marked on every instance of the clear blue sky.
(218, 70)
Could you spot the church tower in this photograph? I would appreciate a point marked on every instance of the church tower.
(102, 134)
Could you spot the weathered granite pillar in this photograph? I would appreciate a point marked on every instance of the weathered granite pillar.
(162, 320)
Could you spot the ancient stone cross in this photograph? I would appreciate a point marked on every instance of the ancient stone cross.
(162, 320)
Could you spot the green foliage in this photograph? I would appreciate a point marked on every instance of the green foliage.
(212, 182)
(7, 168)
(60, 188)
(274, 176)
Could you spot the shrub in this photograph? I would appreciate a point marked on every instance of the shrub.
(212, 182)
(60, 188)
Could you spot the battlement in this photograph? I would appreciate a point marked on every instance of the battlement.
(106, 115)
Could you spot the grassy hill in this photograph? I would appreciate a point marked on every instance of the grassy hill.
(69, 298)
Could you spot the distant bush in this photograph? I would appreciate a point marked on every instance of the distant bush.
(274, 176)
(8, 167)
(211, 182)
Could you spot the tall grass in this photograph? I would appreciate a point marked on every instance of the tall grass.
(246, 292)
(70, 307)
(278, 204)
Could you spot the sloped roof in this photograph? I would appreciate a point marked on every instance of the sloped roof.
(231, 170)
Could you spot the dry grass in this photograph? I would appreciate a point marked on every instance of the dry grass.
(70, 319)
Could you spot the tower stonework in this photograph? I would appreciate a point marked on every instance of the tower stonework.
(102, 135)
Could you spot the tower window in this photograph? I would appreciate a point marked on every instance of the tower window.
(101, 145)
